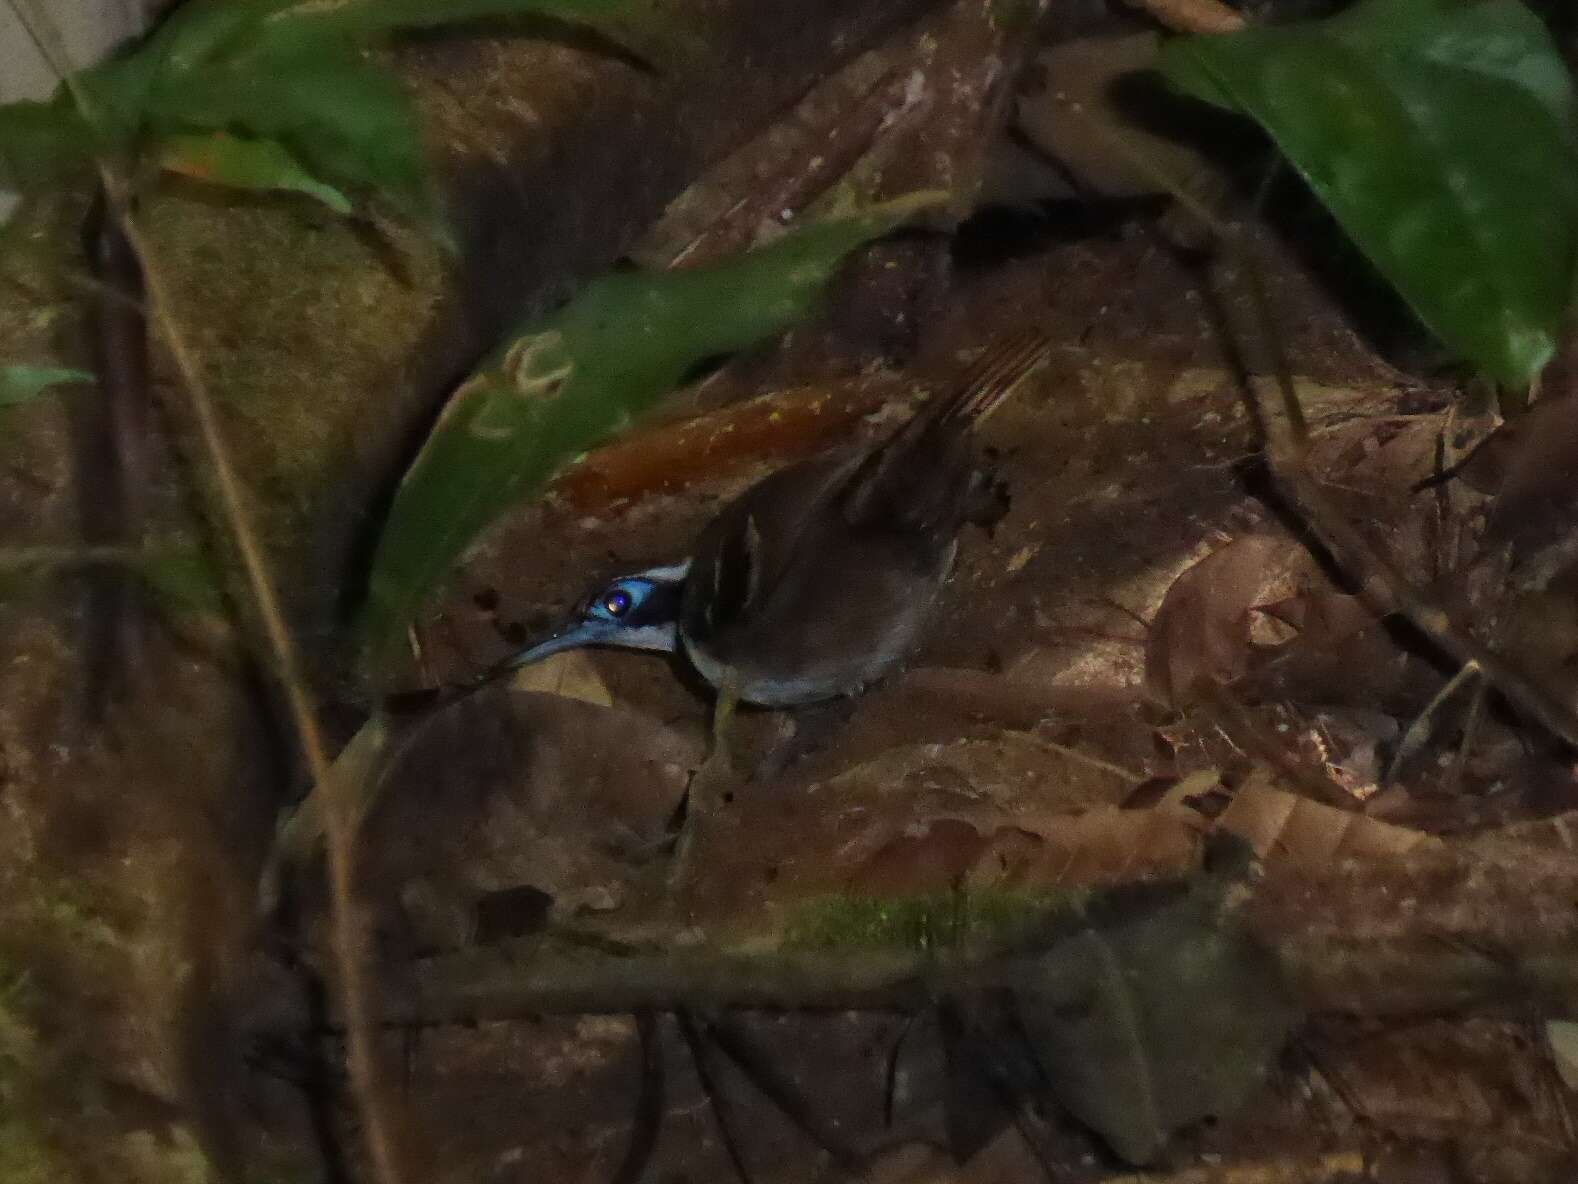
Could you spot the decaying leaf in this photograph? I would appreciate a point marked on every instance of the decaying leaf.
(1172, 1016)
(498, 743)
(506, 791)
(1201, 635)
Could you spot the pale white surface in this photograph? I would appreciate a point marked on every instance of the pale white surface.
(89, 28)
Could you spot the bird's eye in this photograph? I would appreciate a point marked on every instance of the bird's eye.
(616, 603)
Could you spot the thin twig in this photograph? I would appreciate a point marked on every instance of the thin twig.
(650, 1103)
(782, 1091)
(722, 1109)
(353, 981)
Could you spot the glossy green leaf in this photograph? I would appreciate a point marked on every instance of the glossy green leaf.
(270, 70)
(568, 380)
(346, 119)
(1443, 135)
(242, 163)
(22, 383)
(203, 31)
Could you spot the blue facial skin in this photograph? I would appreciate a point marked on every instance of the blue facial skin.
(630, 613)
(619, 602)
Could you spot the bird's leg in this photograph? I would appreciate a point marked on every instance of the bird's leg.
(723, 708)
(710, 782)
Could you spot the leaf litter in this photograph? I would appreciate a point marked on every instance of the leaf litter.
(1012, 757)
(1142, 659)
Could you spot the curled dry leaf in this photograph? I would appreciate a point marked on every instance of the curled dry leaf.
(1110, 846)
(1287, 829)
(505, 789)
(499, 795)
(1201, 637)
(1102, 846)
(1343, 656)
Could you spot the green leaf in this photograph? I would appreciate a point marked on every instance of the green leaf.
(1443, 135)
(568, 380)
(21, 384)
(203, 31)
(268, 70)
(348, 121)
(41, 143)
(241, 163)
(370, 18)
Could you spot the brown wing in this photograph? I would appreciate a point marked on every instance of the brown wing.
(903, 500)
(920, 479)
(742, 553)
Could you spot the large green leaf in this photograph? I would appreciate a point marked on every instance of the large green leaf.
(347, 120)
(1443, 135)
(244, 163)
(567, 380)
(288, 77)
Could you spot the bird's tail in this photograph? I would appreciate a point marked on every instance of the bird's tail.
(986, 385)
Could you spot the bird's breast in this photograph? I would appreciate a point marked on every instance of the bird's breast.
(824, 630)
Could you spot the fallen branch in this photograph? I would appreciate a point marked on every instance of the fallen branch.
(1441, 929)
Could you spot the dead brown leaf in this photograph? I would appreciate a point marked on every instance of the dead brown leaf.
(1201, 635)
(508, 790)
(1285, 828)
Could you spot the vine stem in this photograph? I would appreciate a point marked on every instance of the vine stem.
(353, 983)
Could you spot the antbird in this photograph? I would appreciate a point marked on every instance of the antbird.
(819, 579)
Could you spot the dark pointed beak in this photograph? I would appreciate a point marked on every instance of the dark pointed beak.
(571, 637)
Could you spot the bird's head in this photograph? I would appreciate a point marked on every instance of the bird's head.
(634, 612)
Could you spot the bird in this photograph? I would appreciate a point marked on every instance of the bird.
(821, 578)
